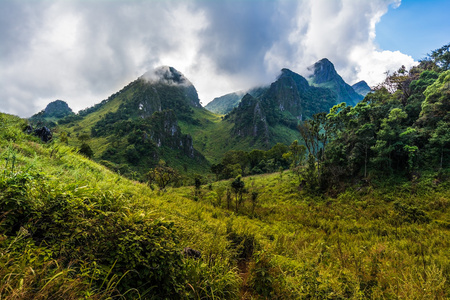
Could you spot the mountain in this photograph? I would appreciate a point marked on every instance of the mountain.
(324, 75)
(362, 88)
(139, 125)
(224, 104)
(273, 116)
(159, 116)
(250, 120)
(55, 110)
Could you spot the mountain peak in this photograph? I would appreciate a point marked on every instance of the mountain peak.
(57, 108)
(323, 71)
(324, 75)
(362, 88)
(170, 76)
(166, 75)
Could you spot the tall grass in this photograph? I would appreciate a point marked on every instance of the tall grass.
(367, 243)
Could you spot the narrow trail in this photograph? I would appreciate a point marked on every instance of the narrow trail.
(245, 292)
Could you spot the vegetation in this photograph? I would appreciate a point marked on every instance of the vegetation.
(360, 211)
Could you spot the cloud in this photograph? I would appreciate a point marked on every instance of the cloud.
(82, 52)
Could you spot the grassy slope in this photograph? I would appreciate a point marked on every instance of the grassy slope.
(98, 145)
(371, 242)
(212, 137)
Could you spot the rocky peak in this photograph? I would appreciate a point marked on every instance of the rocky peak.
(250, 119)
(362, 88)
(58, 109)
(169, 76)
(323, 71)
(324, 75)
(166, 75)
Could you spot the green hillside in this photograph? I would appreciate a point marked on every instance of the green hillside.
(124, 132)
(72, 228)
(353, 204)
(138, 126)
(225, 104)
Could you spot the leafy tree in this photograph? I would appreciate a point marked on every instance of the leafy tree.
(316, 133)
(276, 154)
(238, 187)
(217, 169)
(440, 139)
(441, 57)
(296, 156)
(162, 175)
(255, 157)
(388, 144)
(198, 179)
(437, 102)
(84, 137)
(254, 198)
(86, 150)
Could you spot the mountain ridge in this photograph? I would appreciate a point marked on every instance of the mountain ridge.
(159, 116)
(324, 75)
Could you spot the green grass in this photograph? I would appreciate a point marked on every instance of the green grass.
(370, 242)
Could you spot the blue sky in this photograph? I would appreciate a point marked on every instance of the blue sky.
(415, 28)
(83, 51)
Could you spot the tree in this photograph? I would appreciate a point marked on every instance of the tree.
(84, 137)
(296, 154)
(440, 139)
(388, 143)
(86, 150)
(162, 175)
(238, 187)
(254, 200)
(399, 83)
(316, 134)
(276, 154)
(197, 184)
(217, 170)
(441, 57)
(366, 137)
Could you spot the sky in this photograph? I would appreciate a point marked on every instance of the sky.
(82, 51)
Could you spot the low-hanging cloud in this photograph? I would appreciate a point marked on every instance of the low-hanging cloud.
(83, 51)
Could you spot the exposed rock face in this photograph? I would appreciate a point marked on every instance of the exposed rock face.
(169, 76)
(325, 75)
(166, 132)
(43, 133)
(149, 109)
(291, 98)
(191, 253)
(287, 100)
(288, 93)
(250, 119)
(362, 88)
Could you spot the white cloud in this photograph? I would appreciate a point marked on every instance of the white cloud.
(82, 52)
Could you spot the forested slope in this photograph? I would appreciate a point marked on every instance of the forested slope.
(71, 228)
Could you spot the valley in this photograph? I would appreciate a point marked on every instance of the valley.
(306, 188)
